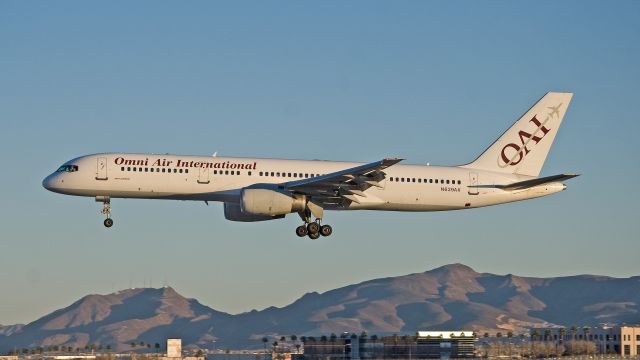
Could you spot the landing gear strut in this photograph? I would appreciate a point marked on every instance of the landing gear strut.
(312, 229)
(106, 210)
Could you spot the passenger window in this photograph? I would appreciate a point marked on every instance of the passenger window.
(447, 181)
(135, 169)
(140, 169)
(459, 182)
(226, 172)
(402, 179)
(237, 172)
(260, 173)
(186, 171)
(295, 175)
(390, 179)
(180, 171)
(413, 180)
(278, 174)
(289, 175)
(436, 181)
(122, 168)
(306, 175)
(419, 180)
(146, 169)
(151, 169)
(163, 170)
(249, 173)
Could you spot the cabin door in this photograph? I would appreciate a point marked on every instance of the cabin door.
(101, 171)
(473, 181)
(203, 175)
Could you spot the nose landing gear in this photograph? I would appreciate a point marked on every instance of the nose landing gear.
(106, 210)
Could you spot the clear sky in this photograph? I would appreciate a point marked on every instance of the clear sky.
(427, 81)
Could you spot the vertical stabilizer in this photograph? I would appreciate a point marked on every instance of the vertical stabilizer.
(523, 148)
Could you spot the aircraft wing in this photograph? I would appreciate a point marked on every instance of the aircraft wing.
(347, 184)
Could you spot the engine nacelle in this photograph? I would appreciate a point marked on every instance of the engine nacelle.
(268, 202)
(234, 213)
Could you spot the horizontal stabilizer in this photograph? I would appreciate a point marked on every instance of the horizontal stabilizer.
(530, 183)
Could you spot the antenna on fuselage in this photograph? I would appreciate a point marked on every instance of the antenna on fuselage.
(214, 154)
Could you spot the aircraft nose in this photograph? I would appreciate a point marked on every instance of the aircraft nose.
(46, 183)
(49, 182)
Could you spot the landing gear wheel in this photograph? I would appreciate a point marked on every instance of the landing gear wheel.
(314, 236)
(326, 230)
(108, 222)
(313, 228)
(301, 231)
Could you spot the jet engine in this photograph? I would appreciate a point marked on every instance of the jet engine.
(268, 202)
(233, 212)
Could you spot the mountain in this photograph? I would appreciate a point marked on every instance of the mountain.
(119, 318)
(450, 297)
(8, 330)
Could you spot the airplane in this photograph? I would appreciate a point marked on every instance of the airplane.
(259, 189)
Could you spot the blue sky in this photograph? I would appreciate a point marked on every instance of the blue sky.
(427, 81)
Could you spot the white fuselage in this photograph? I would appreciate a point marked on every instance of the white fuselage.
(178, 177)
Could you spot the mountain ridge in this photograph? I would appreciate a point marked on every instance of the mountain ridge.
(453, 296)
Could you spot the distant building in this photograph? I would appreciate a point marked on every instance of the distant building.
(621, 340)
(424, 345)
(174, 348)
(445, 344)
(328, 348)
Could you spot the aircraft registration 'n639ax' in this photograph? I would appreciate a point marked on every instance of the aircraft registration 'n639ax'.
(254, 189)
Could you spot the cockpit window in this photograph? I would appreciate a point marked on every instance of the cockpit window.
(68, 168)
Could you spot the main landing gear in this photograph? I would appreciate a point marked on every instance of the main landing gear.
(313, 230)
(106, 210)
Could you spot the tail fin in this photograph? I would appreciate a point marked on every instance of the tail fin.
(523, 148)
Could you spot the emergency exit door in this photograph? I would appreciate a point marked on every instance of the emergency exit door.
(203, 176)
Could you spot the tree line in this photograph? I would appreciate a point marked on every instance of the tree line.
(95, 347)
